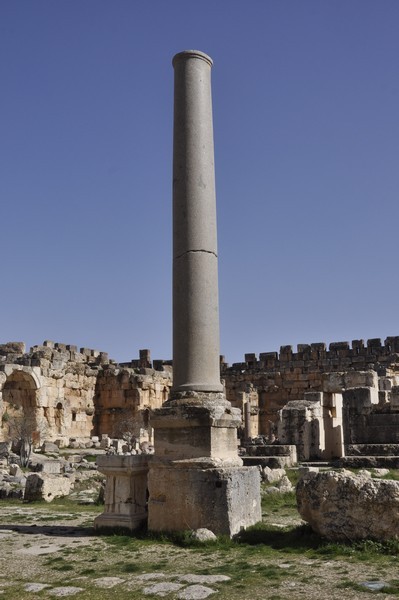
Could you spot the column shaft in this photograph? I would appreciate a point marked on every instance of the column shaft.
(195, 273)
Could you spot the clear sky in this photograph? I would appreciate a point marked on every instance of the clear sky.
(306, 118)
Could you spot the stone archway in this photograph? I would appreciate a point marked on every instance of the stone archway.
(19, 401)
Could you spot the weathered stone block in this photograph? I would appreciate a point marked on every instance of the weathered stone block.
(184, 496)
(343, 506)
(42, 486)
(125, 491)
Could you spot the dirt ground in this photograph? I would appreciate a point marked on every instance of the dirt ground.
(48, 552)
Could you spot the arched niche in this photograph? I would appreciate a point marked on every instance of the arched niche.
(19, 395)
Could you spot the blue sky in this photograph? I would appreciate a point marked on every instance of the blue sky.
(305, 96)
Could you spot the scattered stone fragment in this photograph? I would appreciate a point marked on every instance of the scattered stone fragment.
(203, 535)
(190, 578)
(65, 591)
(107, 582)
(380, 472)
(305, 470)
(272, 475)
(36, 587)
(284, 485)
(151, 576)
(163, 588)
(364, 472)
(374, 586)
(195, 592)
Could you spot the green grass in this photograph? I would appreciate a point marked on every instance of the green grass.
(251, 560)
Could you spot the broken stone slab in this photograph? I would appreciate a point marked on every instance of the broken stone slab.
(380, 472)
(15, 470)
(342, 506)
(43, 486)
(107, 582)
(284, 485)
(50, 448)
(210, 579)
(272, 475)
(195, 592)
(65, 591)
(35, 587)
(50, 466)
(151, 576)
(162, 589)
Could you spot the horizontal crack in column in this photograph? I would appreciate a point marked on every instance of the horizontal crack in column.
(193, 251)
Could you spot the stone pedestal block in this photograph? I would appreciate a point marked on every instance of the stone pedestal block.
(125, 491)
(194, 494)
(196, 427)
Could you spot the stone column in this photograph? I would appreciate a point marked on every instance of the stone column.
(195, 273)
(196, 478)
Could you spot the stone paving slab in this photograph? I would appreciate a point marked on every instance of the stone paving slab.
(190, 578)
(162, 589)
(195, 592)
(65, 591)
(107, 582)
(35, 587)
(37, 550)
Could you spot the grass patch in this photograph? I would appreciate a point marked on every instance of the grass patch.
(91, 458)
(130, 568)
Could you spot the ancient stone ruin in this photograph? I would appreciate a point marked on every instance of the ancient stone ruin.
(175, 441)
(336, 403)
(74, 395)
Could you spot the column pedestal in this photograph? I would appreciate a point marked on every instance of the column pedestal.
(196, 479)
(125, 491)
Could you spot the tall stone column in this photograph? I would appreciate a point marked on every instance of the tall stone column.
(195, 273)
(196, 478)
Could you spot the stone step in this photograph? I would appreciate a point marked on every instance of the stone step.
(358, 462)
(372, 450)
(315, 463)
(273, 462)
(270, 450)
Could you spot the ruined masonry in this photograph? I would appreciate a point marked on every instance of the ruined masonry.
(337, 402)
(74, 395)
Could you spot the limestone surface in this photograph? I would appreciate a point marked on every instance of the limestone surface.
(343, 506)
(195, 592)
(42, 486)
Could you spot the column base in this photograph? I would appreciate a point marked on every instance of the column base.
(192, 494)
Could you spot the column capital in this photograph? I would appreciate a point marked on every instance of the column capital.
(186, 54)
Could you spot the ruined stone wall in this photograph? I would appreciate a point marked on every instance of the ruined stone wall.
(277, 378)
(125, 395)
(73, 393)
(80, 393)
